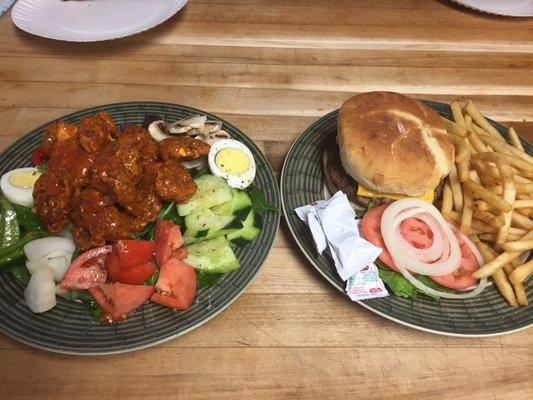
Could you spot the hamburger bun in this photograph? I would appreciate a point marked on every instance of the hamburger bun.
(391, 143)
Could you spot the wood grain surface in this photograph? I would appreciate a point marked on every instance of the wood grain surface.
(272, 68)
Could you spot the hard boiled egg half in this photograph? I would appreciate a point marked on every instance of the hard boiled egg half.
(17, 185)
(233, 161)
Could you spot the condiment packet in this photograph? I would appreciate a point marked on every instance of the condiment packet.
(366, 284)
(332, 222)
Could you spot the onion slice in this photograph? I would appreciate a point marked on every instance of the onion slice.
(40, 294)
(410, 259)
(403, 255)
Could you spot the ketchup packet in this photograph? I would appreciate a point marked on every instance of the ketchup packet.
(366, 284)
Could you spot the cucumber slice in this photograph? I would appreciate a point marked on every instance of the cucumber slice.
(211, 191)
(239, 206)
(212, 256)
(204, 225)
(251, 227)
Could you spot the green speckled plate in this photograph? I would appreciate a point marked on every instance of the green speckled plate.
(302, 182)
(68, 328)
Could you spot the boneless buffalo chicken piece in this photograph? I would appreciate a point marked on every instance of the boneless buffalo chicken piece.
(107, 182)
(183, 148)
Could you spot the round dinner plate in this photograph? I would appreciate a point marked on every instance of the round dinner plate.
(511, 8)
(68, 328)
(302, 182)
(91, 20)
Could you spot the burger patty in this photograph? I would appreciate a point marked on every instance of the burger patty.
(344, 182)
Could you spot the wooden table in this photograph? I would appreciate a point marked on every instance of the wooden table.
(272, 68)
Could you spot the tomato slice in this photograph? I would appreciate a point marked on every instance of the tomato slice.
(117, 300)
(87, 270)
(419, 235)
(134, 252)
(461, 278)
(176, 285)
(371, 230)
(167, 239)
(136, 275)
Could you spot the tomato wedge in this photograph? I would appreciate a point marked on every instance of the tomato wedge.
(117, 300)
(87, 270)
(136, 275)
(132, 253)
(176, 285)
(167, 239)
(371, 230)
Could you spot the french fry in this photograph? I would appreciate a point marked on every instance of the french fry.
(476, 142)
(452, 127)
(521, 273)
(447, 200)
(504, 258)
(468, 122)
(457, 113)
(483, 168)
(495, 221)
(521, 221)
(471, 109)
(499, 276)
(515, 140)
(466, 217)
(462, 151)
(523, 203)
(505, 148)
(463, 171)
(457, 192)
(517, 231)
(520, 245)
(520, 294)
(520, 188)
(491, 237)
(515, 162)
(489, 197)
(509, 194)
(472, 174)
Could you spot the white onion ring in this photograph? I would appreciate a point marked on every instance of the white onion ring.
(470, 244)
(406, 208)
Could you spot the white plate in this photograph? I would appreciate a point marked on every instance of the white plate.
(512, 8)
(91, 20)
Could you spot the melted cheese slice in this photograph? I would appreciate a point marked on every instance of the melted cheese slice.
(365, 192)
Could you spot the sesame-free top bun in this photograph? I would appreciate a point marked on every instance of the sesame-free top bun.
(391, 143)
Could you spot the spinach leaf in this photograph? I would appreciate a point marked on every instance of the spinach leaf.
(204, 279)
(198, 172)
(153, 279)
(88, 301)
(27, 219)
(259, 203)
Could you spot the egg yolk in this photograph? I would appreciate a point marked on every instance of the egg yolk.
(232, 161)
(24, 180)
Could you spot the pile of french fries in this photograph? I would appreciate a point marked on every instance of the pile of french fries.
(489, 192)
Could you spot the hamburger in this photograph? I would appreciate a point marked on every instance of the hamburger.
(388, 146)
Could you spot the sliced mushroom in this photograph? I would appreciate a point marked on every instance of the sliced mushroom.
(158, 130)
(176, 128)
(197, 121)
(216, 136)
(211, 127)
